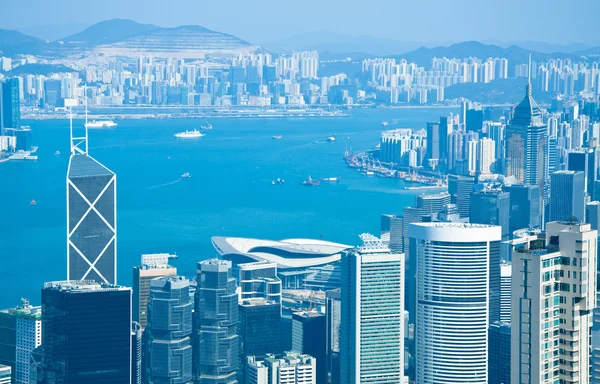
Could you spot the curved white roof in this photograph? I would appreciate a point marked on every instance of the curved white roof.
(288, 254)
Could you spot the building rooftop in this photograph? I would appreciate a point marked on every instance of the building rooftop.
(257, 301)
(84, 166)
(527, 112)
(82, 286)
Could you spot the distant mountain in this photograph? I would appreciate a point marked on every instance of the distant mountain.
(542, 47)
(108, 32)
(53, 32)
(335, 43)
(12, 42)
(514, 54)
(39, 69)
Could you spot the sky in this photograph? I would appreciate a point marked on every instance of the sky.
(259, 21)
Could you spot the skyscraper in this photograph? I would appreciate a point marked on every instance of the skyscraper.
(592, 214)
(169, 348)
(260, 328)
(372, 332)
(553, 295)
(10, 105)
(526, 143)
(524, 207)
(309, 330)
(136, 353)
(586, 161)
(499, 353)
(20, 334)
(216, 322)
(460, 188)
(491, 206)
(432, 203)
(567, 193)
(86, 335)
(391, 231)
(456, 264)
(505, 291)
(151, 267)
(334, 316)
(91, 217)
(259, 279)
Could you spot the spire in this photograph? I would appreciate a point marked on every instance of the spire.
(528, 88)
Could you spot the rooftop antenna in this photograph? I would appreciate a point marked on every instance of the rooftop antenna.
(529, 70)
(76, 141)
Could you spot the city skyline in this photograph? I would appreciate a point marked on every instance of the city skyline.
(477, 21)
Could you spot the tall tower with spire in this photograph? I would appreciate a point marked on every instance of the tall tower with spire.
(91, 213)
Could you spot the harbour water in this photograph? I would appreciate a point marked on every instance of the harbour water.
(229, 191)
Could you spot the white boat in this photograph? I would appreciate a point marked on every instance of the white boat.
(206, 127)
(186, 175)
(194, 134)
(277, 137)
(331, 138)
(57, 153)
(331, 179)
(385, 123)
(100, 124)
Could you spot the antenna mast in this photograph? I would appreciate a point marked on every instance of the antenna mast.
(76, 141)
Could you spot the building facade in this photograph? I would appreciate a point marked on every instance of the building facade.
(372, 332)
(309, 337)
(333, 313)
(553, 297)
(567, 194)
(216, 322)
(456, 264)
(168, 331)
(292, 368)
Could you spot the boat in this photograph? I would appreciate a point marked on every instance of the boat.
(385, 123)
(206, 127)
(101, 124)
(186, 175)
(369, 173)
(331, 179)
(194, 134)
(32, 202)
(331, 138)
(310, 182)
(278, 181)
(57, 153)
(277, 137)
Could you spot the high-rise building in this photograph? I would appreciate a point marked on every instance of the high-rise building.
(10, 105)
(309, 329)
(432, 203)
(260, 327)
(86, 334)
(458, 290)
(292, 368)
(259, 279)
(91, 220)
(499, 353)
(505, 291)
(136, 353)
(333, 313)
(491, 206)
(437, 141)
(151, 267)
(372, 332)
(216, 322)
(409, 215)
(584, 160)
(460, 188)
(592, 214)
(526, 143)
(553, 295)
(168, 330)
(391, 231)
(567, 194)
(5, 374)
(486, 156)
(20, 334)
(524, 207)
(595, 368)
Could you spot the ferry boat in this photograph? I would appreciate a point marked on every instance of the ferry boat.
(310, 182)
(277, 137)
(101, 124)
(206, 127)
(331, 138)
(186, 175)
(194, 134)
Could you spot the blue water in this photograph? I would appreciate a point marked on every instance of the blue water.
(229, 193)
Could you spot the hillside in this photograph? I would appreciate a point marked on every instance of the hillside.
(108, 32)
(13, 42)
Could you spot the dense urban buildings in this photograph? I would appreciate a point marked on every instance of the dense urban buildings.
(86, 333)
(553, 297)
(371, 330)
(456, 290)
(291, 368)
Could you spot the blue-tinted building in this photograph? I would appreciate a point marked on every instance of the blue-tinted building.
(584, 160)
(309, 336)
(216, 322)
(491, 207)
(524, 207)
(10, 105)
(169, 330)
(567, 194)
(499, 353)
(91, 221)
(86, 333)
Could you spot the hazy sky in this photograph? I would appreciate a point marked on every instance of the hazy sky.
(555, 21)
